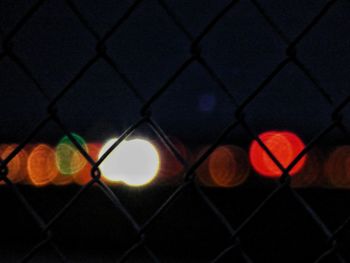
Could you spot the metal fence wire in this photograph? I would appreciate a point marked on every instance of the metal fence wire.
(189, 182)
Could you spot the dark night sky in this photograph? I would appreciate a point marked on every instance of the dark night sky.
(148, 48)
(242, 49)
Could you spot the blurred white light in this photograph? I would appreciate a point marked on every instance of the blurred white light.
(134, 162)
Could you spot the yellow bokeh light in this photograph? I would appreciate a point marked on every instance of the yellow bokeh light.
(134, 162)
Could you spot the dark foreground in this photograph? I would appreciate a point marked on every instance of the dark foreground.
(93, 230)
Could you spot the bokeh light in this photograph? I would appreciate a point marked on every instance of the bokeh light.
(17, 166)
(41, 165)
(284, 145)
(134, 162)
(337, 167)
(62, 179)
(207, 102)
(228, 166)
(171, 168)
(310, 173)
(202, 172)
(68, 158)
(84, 176)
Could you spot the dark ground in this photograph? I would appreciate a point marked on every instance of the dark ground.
(94, 231)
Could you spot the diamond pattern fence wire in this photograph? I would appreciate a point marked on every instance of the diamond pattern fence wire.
(189, 182)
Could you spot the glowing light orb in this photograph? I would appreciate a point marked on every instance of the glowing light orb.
(309, 175)
(84, 176)
(62, 179)
(202, 172)
(68, 159)
(207, 102)
(41, 165)
(337, 167)
(228, 166)
(134, 162)
(171, 168)
(17, 166)
(285, 146)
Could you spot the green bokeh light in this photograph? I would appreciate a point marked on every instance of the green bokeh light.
(68, 158)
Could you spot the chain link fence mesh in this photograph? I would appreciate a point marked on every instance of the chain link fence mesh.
(189, 182)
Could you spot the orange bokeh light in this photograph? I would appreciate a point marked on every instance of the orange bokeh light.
(62, 179)
(337, 167)
(84, 176)
(285, 146)
(41, 165)
(17, 166)
(228, 166)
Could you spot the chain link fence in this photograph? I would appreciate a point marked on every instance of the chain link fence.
(189, 183)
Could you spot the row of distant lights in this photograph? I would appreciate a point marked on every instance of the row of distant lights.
(137, 162)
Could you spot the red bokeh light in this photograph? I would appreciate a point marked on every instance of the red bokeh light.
(284, 145)
(171, 170)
